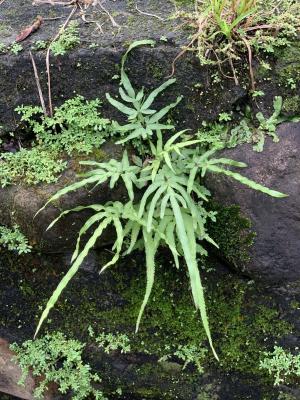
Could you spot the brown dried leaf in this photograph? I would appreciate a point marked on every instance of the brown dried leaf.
(30, 29)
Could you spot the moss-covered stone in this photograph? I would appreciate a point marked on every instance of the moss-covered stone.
(232, 232)
(291, 105)
(288, 65)
(244, 321)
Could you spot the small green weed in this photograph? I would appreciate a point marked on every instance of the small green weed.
(14, 240)
(281, 364)
(39, 45)
(226, 30)
(111, 341)
(250, 129)
(30, 166)
(68, 39)
(15, 48)
(54, 358)
(3, 48)
(189, 354)
(76, 126)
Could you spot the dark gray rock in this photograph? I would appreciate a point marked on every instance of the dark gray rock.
(276, 251)
(100, 301)
(89, 71)
(19, 204)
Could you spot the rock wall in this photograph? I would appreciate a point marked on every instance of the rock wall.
(275, 253)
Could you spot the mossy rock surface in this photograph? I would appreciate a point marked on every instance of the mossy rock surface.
(281, 78)
(20, 203)
(90, 68)
(245, 320)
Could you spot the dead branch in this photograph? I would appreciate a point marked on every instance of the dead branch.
(149, 14)
(38, 84)
(48, 58)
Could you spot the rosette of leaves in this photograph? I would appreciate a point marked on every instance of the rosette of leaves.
(170, 213)
(143, 121)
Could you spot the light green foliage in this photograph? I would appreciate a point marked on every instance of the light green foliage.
(170, 213)
(189, 354)
(39, 45)
(281, 365)
(2, 48)
(143, 121)
(76, 126)
(225, 117)
(224, 30)
(111, 341)
(15, 48)
(286, 396)
(14, 240)
(257, 93)
(267, 126)
(285, 16)
(29, 166)
(291, 83)
(54, 358)
(291, 105)
(237, 12)
(250, 129)
(68, 39)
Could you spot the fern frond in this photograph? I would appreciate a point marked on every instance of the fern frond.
(69, 275)
(245, 181)
(150, 250)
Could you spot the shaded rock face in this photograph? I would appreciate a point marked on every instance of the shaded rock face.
(89, 71)
(19, 204)
(276, 251)
(10, 374)
(110, 303)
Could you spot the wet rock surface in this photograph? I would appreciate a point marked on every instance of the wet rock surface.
(91, 67)
(10, 374)
(276, 251)
(20, 203)
(104, 302)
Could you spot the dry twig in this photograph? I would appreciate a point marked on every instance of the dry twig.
(250, 62)
(112, 20)
(55, 2)
(149, 14)
(38, 84)
(48, 58)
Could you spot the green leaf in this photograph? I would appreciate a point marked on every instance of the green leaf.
(117, 245)
(86, 226)
(124, 78)
(158, 116)
(68, 189)
(125, 97)
(155, 93)
(152, 206)
(188, 248)
(150, 249)
(245, 181)
(120, 106)
(69, 275)
(95, 207)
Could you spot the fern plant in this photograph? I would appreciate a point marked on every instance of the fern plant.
(170, 213)
(143, 121)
